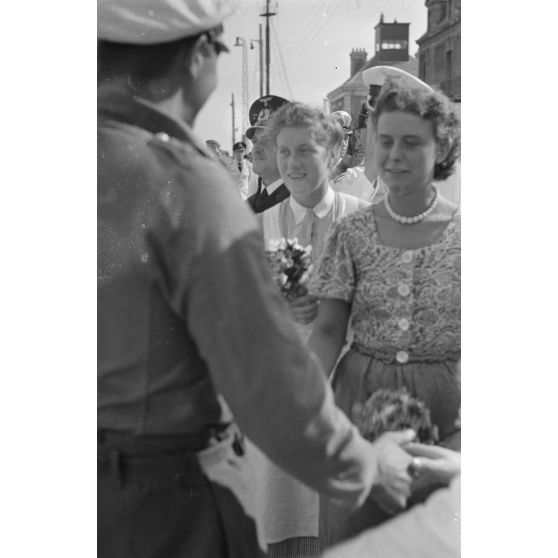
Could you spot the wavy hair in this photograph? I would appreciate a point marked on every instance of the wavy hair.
(324, 128)
(432, 106)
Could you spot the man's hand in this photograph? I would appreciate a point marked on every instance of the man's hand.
(304, 308)
(393, 470)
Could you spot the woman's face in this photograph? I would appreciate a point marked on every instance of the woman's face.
(304, 164)
(404, 151)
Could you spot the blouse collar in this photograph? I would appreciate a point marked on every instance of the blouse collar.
(321, 209)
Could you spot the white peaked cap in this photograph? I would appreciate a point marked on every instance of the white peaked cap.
(377, 75)
(145, 22)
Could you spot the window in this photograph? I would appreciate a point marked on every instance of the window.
(449, 68)
(390, 45)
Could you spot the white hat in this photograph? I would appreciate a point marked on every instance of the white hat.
(376, 76)
(159, 21)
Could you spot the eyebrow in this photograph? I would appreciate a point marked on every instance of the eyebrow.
(302, 145)
(406, 136)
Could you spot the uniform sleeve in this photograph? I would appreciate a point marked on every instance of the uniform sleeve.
(334, 275)
(219, 281)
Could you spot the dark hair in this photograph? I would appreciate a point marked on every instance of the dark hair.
(324, 128)
(142, 62)
(432, 106)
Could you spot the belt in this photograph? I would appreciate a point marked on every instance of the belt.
(126, 457)
(401, 357)
(150, 444)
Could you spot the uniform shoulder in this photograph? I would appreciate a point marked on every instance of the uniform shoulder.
(180, 151)
(186, 157)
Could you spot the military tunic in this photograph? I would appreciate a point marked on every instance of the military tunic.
(189, 318)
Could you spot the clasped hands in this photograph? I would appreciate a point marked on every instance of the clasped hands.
(405, 466)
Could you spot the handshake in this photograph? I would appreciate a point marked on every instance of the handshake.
(405, 467)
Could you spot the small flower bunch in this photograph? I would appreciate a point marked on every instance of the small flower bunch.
(291, 265)
(391, 410)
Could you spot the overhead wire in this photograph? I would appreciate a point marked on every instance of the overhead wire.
(323, 24)
(316, 22)
(277, 74)
(281, 59)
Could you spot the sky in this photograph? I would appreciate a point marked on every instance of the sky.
(310, 45)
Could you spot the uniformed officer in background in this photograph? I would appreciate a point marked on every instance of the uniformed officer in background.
(242, 168)
(270, 190)
(190, 322)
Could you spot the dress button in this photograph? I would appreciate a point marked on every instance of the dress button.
(403, 289)
(403, 324)
(402, 357)
(407, 256)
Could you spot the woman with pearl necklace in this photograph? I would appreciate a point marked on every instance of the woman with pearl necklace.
(392, 270)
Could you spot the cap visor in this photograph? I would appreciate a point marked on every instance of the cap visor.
(252, 130)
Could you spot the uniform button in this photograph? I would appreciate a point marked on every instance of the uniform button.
(403, 289)
(404, 324)
(402, 357)
(162, 136)
(407, 256)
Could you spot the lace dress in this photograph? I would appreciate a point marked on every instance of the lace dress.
(405, 317)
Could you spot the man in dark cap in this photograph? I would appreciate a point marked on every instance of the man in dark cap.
(190, 323)
(271, 189)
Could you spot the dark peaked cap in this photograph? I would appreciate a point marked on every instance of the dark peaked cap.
(262, 110)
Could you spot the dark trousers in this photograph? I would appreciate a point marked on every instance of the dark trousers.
(155, 502)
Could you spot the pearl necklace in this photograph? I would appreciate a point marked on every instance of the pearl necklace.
(417, 218)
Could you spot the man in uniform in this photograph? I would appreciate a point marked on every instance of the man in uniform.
(242, 168)
(190, 323)
(271, 189)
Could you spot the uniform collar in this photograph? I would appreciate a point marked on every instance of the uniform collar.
(321, 209)
(273, 186)
(138, 112)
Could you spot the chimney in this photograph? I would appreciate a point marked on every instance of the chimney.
(358, 60)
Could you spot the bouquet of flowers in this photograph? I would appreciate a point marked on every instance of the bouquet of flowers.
(291, 265)
(390, 410)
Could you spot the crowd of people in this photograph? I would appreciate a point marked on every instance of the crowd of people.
(225, 409)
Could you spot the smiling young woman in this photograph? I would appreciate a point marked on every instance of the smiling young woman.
(308, 144)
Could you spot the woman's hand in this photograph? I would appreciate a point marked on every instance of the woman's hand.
(433, 464)
(304, 308)
(393, 470)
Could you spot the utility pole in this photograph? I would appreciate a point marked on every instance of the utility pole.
(267, 15)
(260, 43)
(241, 42)
(233, 126)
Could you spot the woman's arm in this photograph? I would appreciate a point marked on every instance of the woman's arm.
(330, 330)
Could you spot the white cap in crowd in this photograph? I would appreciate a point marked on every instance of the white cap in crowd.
(145, 22)
(376, 76)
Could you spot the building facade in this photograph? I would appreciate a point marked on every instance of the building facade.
(391, 48)
(439, 54)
